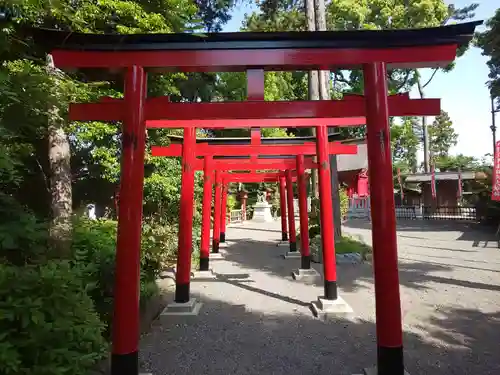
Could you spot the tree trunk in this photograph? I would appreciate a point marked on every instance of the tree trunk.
(313, 87)
(60, 176)
(324, 91)
(425, 133)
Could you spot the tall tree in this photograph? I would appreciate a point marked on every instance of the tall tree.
(387, 14)
(489, 41)
(60, 171)
(442, 136)
(404, 143)
(324, 94)
(313, 80)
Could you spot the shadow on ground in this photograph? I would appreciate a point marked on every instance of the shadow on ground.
(255, 255)
(480, 235)
(232, 339)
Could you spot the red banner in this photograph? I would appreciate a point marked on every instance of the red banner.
(433, 182)
(400, 185)
(459, 190)
(495, 190)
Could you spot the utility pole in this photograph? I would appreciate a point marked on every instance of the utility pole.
(313, 85)
(324, 94)
(493, 124)
(425, 132)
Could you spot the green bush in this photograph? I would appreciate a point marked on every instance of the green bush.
(94, 249)
(314, 231)
(23, 239)
(344, 203)
(48, 325)
(231, 202)
(348, 244)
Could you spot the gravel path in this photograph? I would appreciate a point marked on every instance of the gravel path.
(255, 318)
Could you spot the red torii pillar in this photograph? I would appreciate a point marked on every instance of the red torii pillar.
(304, 218)
(124, 359)
(291, 214)
(326, 215)
(284, 230)
(223, 213)
(183, 273)
(217, 212)
(385, 257)
(244, 198)
(206, 211)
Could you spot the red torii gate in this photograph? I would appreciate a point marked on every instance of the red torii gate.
(208, 151)
(285, 200)
(373, 50)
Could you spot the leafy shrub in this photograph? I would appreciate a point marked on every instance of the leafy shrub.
(231, 202)
(23, 239)
(93, 247)
(344, 245)
(314, 231)
(48, 325)
(344, 203)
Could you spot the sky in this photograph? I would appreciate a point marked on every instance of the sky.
(463, 91)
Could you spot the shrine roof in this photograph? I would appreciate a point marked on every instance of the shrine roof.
(459, 34)
(444, 176)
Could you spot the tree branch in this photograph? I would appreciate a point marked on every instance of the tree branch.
(44, 175)
(405, 81)
(430, 79)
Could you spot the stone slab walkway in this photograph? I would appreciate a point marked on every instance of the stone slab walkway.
(256, 320)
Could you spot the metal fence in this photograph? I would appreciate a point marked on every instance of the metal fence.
(449, 213)
(235, 216)
(360, 208)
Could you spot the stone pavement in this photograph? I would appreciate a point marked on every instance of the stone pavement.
(256, 320)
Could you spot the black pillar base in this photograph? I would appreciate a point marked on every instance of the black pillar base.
(222, 237)
(305, 262)
(182, 293)
(204, 264)
(390, 361)
(125, 364)
(215, 246)
(284, 236)
(293, 247)
(331, 290)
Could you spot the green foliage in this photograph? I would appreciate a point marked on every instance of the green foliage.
(456, 162)
(23, 239)
(344, 203)
(94, 249)
(343, 245)
(231, 202)
(489, 41)
(442, 136)
(349, 244)
(48, 323)
(404, 142)
(314, 231)
(314, 215)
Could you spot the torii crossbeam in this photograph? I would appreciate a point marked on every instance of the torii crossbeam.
(159, 112)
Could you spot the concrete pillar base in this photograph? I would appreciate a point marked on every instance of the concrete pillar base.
(373, 371)
(223, 245)
(191, 308)
(282, 243)
(324, 309)
(204, 275)
(305, 274)
(215, 256)
(292, 255)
